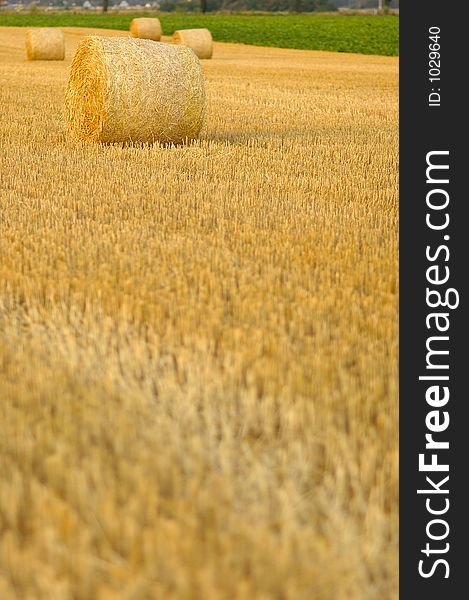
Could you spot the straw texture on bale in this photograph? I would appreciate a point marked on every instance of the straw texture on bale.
(200, 40)
(45, 43)
(146, 29)
(132, 90)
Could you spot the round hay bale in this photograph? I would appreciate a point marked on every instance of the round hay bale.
(45, 43)
(200, 40)
(146, 29)
(132, 90)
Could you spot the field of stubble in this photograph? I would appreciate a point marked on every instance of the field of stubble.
(198, 344)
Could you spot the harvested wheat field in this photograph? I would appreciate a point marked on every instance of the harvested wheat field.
(198, 343)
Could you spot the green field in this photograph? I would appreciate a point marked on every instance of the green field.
(360, 34)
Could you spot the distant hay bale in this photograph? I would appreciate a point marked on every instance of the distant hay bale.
(200, 40)
(146, 29)
(132, 90)
(45, 43)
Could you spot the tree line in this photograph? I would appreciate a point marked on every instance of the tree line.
(240, 5)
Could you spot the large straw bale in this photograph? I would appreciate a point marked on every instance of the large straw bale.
(132, 90)
(146, 29)
(45, 43)
(200, 40)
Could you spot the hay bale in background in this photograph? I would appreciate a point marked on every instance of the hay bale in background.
(146, 29)
(45, 43)
(200, 40)
(124, 89)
